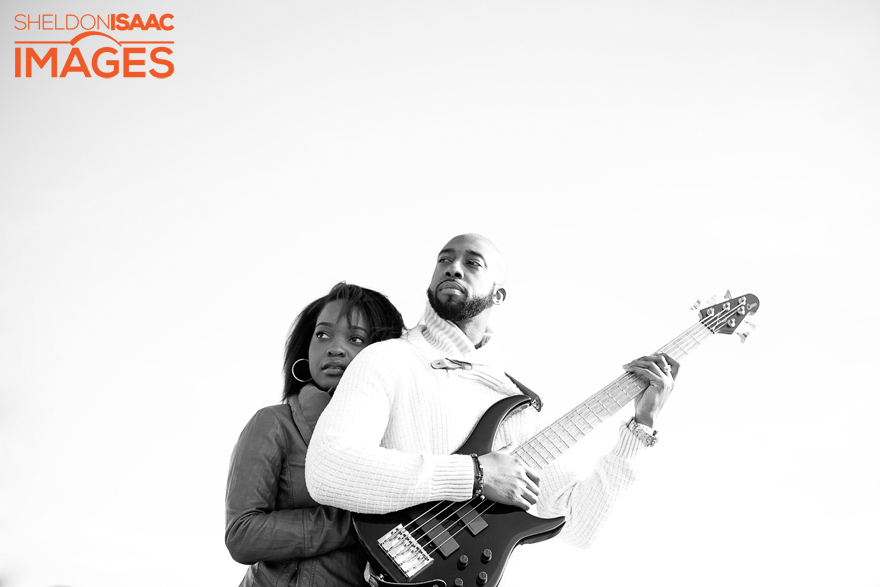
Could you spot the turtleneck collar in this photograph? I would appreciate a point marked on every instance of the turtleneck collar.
(448, 338)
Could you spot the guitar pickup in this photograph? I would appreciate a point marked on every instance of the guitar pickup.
(473, 521)
(444, 542)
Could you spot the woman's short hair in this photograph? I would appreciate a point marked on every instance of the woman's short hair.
(383, 322)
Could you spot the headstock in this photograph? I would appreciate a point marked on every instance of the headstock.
(726, 316)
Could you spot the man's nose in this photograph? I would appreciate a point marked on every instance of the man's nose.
(454, 270)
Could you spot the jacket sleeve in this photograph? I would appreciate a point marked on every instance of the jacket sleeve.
(254, 532)
(586, 503)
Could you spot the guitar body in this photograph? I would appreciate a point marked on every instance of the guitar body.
(505, 528)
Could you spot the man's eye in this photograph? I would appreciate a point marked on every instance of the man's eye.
(475, 263)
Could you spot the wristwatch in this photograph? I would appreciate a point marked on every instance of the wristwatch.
(647, 435)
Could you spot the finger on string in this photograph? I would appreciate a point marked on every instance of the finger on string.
(644, 370)
(673, 364)
(532, 486)
(651, 378)
(533, 475)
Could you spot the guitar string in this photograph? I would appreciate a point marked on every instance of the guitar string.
(426, 533)
(716, 320)
(428, 511)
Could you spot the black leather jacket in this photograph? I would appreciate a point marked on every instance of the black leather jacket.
(272, 523)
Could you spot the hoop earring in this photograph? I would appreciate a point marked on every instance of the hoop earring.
(293, 371)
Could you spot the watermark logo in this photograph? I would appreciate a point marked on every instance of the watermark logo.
(101, 45)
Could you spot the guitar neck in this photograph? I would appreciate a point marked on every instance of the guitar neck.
(543, 448)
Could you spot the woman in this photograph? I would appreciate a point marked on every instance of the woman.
(272, 523)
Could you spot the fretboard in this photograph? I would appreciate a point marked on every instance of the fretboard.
(540, 450)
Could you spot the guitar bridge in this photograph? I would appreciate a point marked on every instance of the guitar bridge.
(405, 552)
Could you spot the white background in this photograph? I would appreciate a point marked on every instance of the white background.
(157, 237)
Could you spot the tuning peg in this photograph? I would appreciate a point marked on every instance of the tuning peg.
(696, 305)
(752, 326)
(743, 336)
(711, 301)
(727, 295)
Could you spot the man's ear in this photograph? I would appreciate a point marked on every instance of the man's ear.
(499, 296)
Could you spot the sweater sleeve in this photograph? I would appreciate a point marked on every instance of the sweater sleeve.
(254, 532)
(587, 502)
(346, 467)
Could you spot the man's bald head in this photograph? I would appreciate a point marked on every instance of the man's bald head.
(480, 244)
(468, 279)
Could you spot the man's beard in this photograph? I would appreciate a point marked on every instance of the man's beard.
(460, 311)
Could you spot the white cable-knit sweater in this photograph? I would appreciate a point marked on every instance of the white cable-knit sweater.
(385, 441)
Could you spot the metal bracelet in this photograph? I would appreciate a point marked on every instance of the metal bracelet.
(478, 476)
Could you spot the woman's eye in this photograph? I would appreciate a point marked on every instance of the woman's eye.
(357, 340)
(321, 335)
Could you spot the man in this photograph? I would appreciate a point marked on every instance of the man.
(385, 441)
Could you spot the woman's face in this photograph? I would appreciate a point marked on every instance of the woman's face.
(334, 344)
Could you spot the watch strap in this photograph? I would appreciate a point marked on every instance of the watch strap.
(646, 434)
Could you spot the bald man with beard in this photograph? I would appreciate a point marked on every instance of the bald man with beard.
(386, 440)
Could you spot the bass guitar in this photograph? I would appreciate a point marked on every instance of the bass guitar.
(468, 543)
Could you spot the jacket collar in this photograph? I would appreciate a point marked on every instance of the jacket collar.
(306, 407)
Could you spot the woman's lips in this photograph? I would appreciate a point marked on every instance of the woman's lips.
(333, 369)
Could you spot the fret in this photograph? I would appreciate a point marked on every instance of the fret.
(621, 397)
(553, 430)
(620, 388)
(525, 458)
(534, 455)
(676, 343)
(564, 423)
(558, 429)
(591, 419)
(523, 453)
(610, 405)
(538, 448)
(691, 334)
(634, 387)
(602, 406)
(574, 417)
(542, 459)
(548, 443)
